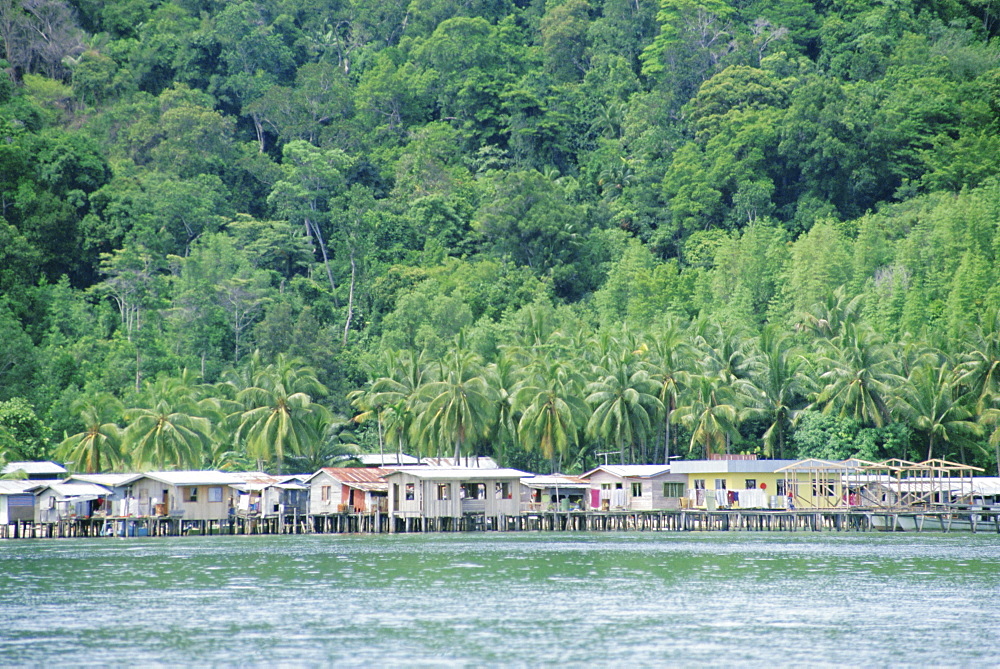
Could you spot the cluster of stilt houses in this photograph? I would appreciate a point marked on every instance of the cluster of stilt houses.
(402, 494)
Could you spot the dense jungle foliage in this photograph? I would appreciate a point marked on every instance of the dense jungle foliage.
(239, 234)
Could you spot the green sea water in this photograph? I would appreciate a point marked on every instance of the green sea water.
(648, 599)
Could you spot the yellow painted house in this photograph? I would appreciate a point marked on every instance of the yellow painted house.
(739, 481)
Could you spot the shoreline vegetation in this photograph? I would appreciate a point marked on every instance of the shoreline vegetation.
(277, 235)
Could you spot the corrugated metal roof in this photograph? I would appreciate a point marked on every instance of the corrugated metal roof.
(18, 487)
(555, 481)
(368, 486)
(459, 473)
(34, 468)
(481, 462)
(728, 466)
(374, 459)
(109, 480)
(76, 489)
(198, 478)
(986, 485)
(349, 475)
(631, 471)
(262, 485)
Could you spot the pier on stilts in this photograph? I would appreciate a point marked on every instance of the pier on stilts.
(676, 520)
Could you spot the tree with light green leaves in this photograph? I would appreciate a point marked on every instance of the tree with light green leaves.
(624, 403)
(278, 415)
(553, 414)
(710, 413)
(930, 403)
(455, 410)
(98, 447)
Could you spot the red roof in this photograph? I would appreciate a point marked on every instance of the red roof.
(357, 474)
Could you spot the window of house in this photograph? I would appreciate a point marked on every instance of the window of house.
(699, 484)
(637, 489)
(750, 484)
(191, 494)
(444, 491)
(779, 488)
(325, 493)
(410, 491)
(619, 485)
(606, 486)
(720, 484)
(215, 494)
(473, 491)
(673, 489)
(503, 490)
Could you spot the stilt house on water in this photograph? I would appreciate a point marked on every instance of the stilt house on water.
(193, 495)
(734, 481)
(348, 490)
(267, 495)
(431, 492)
(62, 501)
(17, 502)
(122, 502)
(635, 487)
(554, 492)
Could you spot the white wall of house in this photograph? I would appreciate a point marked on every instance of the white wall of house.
(411, 495)
(194, 502)
(324, 494)
(17, 508)
(634, 493)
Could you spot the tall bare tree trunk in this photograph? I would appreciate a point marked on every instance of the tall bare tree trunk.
(313, 230)
(350, 299)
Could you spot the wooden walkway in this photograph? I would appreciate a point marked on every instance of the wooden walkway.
(687, 520)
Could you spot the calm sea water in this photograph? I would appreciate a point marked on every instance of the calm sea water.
(527, 599)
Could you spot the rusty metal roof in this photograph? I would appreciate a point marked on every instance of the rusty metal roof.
(349, 475)
(368, 486)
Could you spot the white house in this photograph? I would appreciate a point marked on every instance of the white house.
(36, 471)
(432, 492)
(122, 501)
(17, 502)
(60, 501)
(191, 495)
(348, 489)
(635, 487)
(272, 496)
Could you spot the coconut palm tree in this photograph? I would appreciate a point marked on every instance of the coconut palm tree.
(668, 362)
(860, 375)
(980, 369)
(98, 447)
(171, 427)
(776, 390)
(166, 435)
(503, 376)
(552, 411)
(930, 404)
(336, 447)
(624, 403)
(457, 409)
(709, 411)
(829, 317)
(390, 395)
(278, 411)
(991, 417)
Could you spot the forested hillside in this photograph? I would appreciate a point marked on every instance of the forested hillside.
(241, 234)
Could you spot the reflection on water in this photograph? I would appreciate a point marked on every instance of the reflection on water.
(717, 598)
